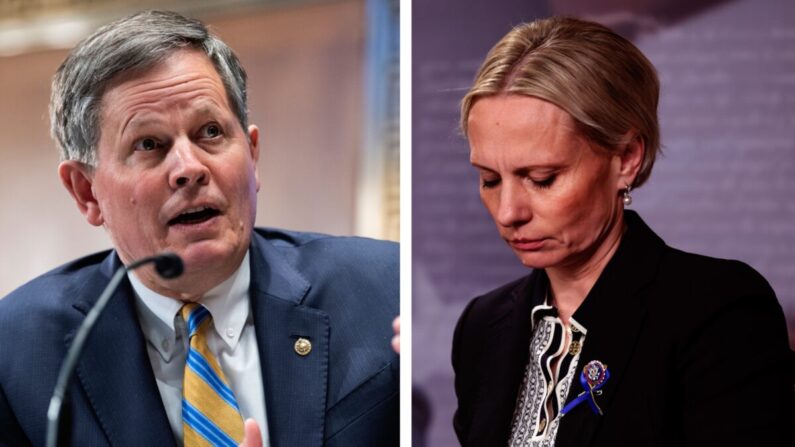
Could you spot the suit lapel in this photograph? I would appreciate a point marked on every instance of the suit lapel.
(114, 370)
(295, 385)
(613, 314)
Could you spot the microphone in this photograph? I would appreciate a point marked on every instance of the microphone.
(167, 265)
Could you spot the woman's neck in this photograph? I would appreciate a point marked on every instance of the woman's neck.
(570, 284)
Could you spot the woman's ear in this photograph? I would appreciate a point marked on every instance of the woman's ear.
(78, 179)
(630, 160)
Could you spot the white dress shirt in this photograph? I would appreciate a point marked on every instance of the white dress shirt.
(232, 341)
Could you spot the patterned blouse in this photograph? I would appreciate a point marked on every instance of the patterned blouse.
(547, 378)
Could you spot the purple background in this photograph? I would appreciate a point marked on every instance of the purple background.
(724, 187)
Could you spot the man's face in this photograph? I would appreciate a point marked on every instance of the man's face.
(176, 172)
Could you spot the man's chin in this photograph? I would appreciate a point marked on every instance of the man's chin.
(204, 268)
(209, 257)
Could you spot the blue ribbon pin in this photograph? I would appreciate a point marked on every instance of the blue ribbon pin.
(594, 375)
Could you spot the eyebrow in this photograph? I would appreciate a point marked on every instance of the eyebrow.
(205, 108)
(523, 169)
(137, 122)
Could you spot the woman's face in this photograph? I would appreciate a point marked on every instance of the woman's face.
(553, 195)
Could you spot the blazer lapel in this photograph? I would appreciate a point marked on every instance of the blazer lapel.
(506, 356)
(114, 369)
(295, 385)
(613, 314)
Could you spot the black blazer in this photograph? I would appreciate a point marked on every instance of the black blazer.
(697, 350)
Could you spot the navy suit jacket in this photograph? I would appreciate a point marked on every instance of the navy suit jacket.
(340, 293)
(696, 348)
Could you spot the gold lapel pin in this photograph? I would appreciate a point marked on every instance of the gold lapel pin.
(302, 346)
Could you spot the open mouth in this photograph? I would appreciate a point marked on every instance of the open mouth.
(194, 216)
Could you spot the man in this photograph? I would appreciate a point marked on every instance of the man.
(291, 330)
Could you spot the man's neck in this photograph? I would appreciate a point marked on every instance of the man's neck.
(191, 286)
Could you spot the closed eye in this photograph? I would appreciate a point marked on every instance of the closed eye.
(544, 183)
(489, 183)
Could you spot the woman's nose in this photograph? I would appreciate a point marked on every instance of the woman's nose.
(514, 206)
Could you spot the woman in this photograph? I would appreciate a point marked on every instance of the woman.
(615, 338)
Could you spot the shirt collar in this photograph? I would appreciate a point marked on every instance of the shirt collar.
(228, 303)
(546, 310)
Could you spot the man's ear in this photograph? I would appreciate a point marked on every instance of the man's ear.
(630, 160)
(253, 142)
(78, 179)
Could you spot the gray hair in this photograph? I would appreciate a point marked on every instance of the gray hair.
(131, 44)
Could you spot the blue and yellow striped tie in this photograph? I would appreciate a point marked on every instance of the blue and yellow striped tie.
(210, 414)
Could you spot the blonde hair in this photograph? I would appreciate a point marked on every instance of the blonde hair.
(602, 80)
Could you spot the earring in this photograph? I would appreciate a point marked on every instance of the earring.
(626, 197)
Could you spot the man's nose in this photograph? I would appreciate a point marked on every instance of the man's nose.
(189, 168)
(513, 208)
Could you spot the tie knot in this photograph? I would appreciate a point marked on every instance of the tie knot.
(194, 315)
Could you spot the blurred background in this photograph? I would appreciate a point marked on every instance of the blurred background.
(725, 186)
(323, 89)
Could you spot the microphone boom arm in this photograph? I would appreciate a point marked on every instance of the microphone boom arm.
(68, 367)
